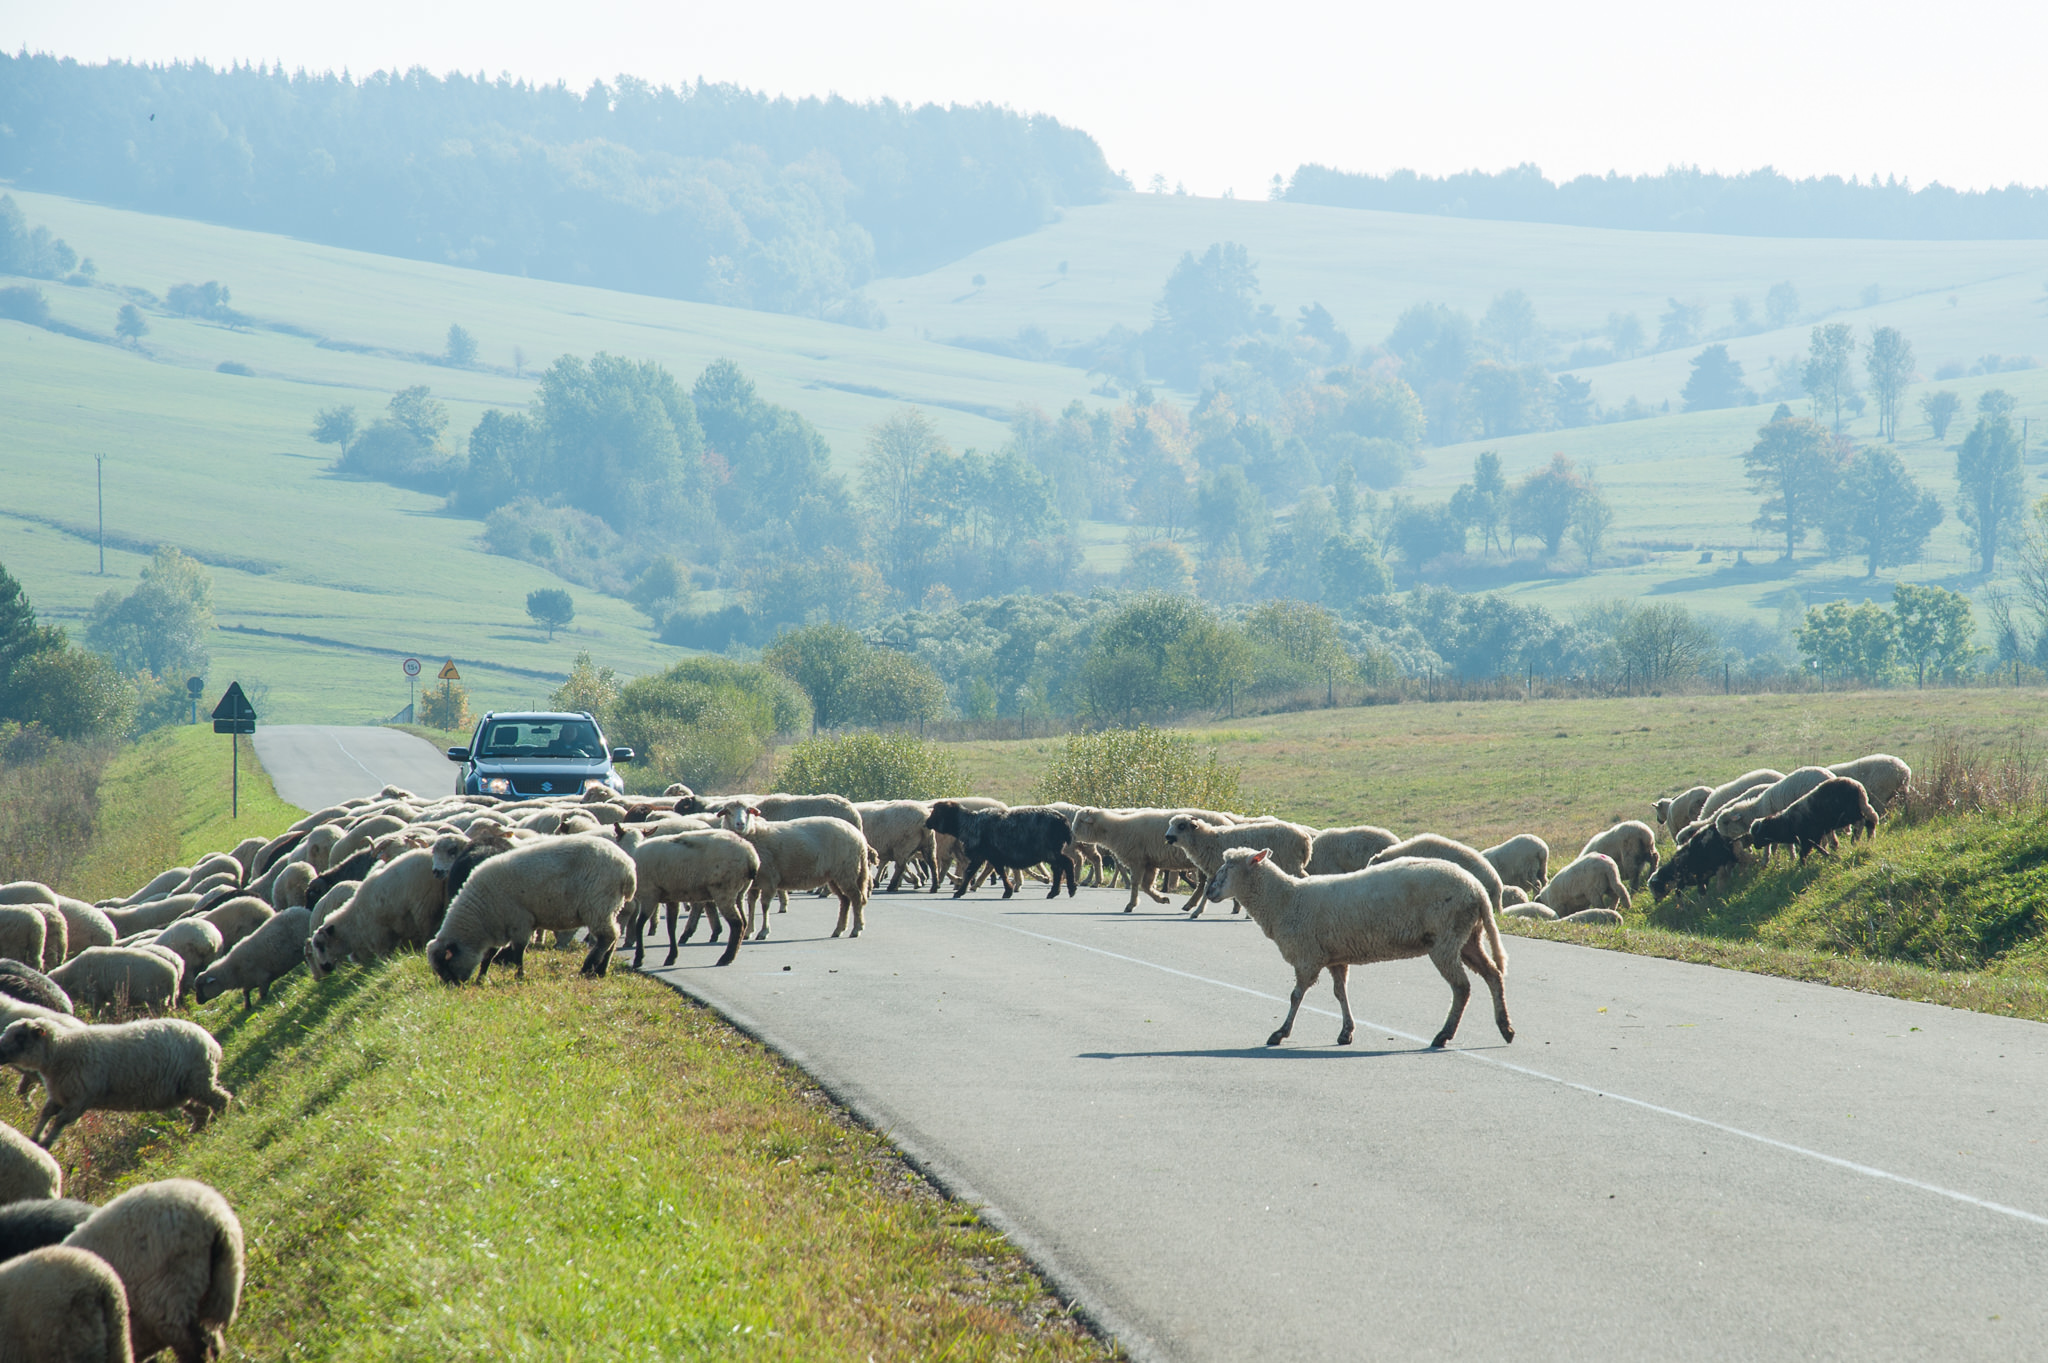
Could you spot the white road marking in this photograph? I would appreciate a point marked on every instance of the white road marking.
(1836, 1161)
(357, 760)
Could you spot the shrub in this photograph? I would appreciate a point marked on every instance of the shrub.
(704, 721)
(49, 802)
(445, 706)
(24, 303)
(234, 367)
(871, 767)
(1140, 768)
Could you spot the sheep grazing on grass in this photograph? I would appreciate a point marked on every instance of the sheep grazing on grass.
(1007, 840)
(1735, 790)
(157, 888)
(283, 845)
(28, 985)
(1437, 848)
(1594, 881)
(84, 926)
(1735, 817)
(805, 854)
(38, 1224)
(21, 933)
(177, 1248)
(289, 889)
(26, 1169)
(1340, 851)
(63, 1305)
(41, 900)
(359, 837)
(1881, 775)
(259, 960)
(1835, 804)
(330, 903)
(713, 867)
(359, 866)
(196, 942)
(1204, 844)
(1633, 846)
(398, 904)
(1388, 912)
(1522, 861)
(1676, 811)
(1701, 860)
(561, 884)
(158, 913)
(102, 977)
(126, 1067)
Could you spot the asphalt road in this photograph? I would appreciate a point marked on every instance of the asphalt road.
(316, 765)
(1671, 1161)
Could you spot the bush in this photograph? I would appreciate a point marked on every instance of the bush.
(1140, 768)
(704, 721)
(49, 802)
(24, 303)
(445, 707)
(871, 767)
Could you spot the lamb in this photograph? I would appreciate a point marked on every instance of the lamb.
(1736, 789)
(1388, 912)
(1676, 811)
(21, 933)
(1137, 839)
(26, 1169)
(62, 1305)
(1633, 846)
(125, 1067)
(259, 960)
(713, 867)
(84, 925)
(40, 1223)
(1736, 816)
(1436, 848)
(1205, 843)
(1836, 803)
(561, 884)
(1007, 840)
(1523, 860)
(1881, 775)
(1594, 881)
(1339, 851)
(1700, 860)
(805, 854)
(896, 830)
(197, 943)
(29, 985)
(177, 1247)
(102, 976)
(398, 904)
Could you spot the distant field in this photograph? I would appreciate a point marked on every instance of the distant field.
(1563, 770)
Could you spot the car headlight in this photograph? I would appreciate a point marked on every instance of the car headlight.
(498, 785)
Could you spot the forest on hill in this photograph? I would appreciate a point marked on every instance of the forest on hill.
(1758, 203)
(705, 192)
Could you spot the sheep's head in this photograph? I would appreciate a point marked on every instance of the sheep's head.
(454, 962)
(207, 987)
(1237, 862)
(1180, 825)
(739, 818)
(446, 849)
(1086, 824)
(1663, 810)
(691, 803)
(25, 1039)
(944, 818)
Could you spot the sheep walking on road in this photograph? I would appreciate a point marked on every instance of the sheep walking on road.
(1388, 912)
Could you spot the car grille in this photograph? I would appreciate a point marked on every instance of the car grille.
(543, 784)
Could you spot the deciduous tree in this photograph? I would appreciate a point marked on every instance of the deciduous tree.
(550, 608)
(1990, 486)
(1935, 628)
(1880, 512)
(1795, 466)
(1940, 409)
(1829, 375)
(1890, 366)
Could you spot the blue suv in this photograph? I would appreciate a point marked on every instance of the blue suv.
(532, 752)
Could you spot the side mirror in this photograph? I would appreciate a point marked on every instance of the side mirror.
(622, 754)
(458, 754)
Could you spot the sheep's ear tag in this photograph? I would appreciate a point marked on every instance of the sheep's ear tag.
(1264, 852)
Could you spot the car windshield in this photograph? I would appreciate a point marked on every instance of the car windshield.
(542, 738)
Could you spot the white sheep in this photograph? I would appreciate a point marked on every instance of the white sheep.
(1676, 811)
(288, 890)
(561, 884)
(26, 1169)
(177, 1247)
(398, 904)
(1388, 912)
(1204, 843)
(27, 892)
(713, 867)
(124, 1067)
(1437, 848)
(361, 834)
(1633, 846)
(330, 903)
(1733, 819)
(896, 830)
(21, 933)
(84, 925)
(1881, 775)
(1593, 881)
(196, 942)
(1137, 839)
(101, 977)
(63, 1305)
(805, 854)
(1523, 860)
(237, 918)
(1735, 790)
(158, 913)
(1340, 851)
(259, 960)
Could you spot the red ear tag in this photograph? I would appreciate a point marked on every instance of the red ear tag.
(1264, 852)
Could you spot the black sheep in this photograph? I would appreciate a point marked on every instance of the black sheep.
(355, 868)
(1836, 803)
(1699, 860)
(29, 985)
(39, 1223)
(1009, 840)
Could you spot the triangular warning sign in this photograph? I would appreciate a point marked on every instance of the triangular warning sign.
(234, 714)
(448, 672)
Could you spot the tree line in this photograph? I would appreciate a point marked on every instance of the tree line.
(705, 192)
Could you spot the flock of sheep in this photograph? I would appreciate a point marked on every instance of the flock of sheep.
(473, 880)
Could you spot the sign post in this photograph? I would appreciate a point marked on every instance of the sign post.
(195, 687)
(235, 716)
(412, 681)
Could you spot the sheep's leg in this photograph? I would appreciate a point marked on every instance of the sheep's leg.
(1339, 974)
(758, 904)
(637, 939)
(736, 928)
(1452, 967)
(968, 879)
(845, 910)
(1474, 955)
(51, 1107)
(599, 958)
(59, 1117)
(1304, 980)
(1195, 900)
(709, 908)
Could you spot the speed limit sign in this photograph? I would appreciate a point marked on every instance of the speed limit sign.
(412, 667)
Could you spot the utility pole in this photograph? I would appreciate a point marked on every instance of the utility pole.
(99, 478)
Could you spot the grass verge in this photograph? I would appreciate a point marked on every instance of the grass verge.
(165, 800)
(563, 1169)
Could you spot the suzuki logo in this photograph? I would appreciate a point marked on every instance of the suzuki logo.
(547, 786)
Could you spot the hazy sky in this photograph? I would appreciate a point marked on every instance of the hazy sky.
(1223, 95)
